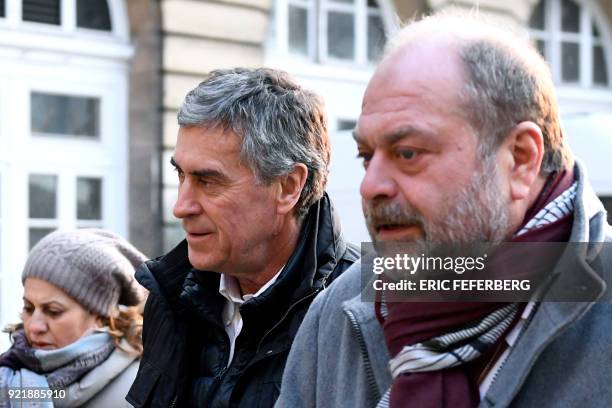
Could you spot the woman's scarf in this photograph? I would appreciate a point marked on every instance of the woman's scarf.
(23, 367)
(436, 346)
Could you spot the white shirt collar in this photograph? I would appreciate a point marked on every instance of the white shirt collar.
(229, 288)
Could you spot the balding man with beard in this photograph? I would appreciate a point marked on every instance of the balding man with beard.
(461, 141)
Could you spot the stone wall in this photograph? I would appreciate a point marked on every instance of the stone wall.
(606, 6)
(410, 9)
(145, 136)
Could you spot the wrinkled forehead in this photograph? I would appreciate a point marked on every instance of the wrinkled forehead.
(430, 68)
(416, 87)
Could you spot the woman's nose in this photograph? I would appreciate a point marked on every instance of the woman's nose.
(37, 323)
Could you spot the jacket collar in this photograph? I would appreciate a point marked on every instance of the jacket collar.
(164, 276)
(577, 268)
(361, 311)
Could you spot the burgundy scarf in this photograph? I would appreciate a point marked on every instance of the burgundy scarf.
(408, 323)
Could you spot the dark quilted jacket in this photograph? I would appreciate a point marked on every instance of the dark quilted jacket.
(185, 345)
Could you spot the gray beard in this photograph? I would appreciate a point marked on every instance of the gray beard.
(474, 215)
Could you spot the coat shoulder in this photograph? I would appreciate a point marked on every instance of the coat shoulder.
(345, 287)
(113, 395)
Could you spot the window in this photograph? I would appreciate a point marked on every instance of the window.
(89, 201)
(336, 30)
(607, 202)
(346, 124)
(49, 193)
(567, 35)
(42, 207)
(90, 14)
(42, 11)
(2, 10)
(63, 115)
(93, 14)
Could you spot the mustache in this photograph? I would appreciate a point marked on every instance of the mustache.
(379, 212)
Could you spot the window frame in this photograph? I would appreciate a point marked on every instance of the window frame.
(93, 30)
(316, 36)
(79, 89)
(325, 7)
(50, 223)
(68, 136)
(68, 19)
(96, 158)
(553, 37)
(103, 177)
(311, 28)
(68, 36)
(61, 4)
(66, 198)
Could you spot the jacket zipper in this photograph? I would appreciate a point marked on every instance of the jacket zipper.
(364, 352)
(523, 329)
(297, 302)
(221, 373)
(173, 403)
(312, 294)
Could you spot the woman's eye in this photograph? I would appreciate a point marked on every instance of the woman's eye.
(54, 313)
(365, 157)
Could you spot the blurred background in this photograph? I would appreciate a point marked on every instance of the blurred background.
(89, 91)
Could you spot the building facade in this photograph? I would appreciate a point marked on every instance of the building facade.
(89, 91)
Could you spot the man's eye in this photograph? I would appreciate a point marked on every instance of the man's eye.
(28, 309)
(407, 154)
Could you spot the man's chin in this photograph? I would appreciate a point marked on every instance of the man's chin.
(401, 243)
(201, 261)
(409, 233)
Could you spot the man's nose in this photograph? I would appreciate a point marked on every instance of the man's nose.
(378, 181)
(186, 203)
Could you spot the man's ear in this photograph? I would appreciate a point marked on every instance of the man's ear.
(291, 186)
(524, 151)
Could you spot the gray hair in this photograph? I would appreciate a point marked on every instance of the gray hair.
(280, 124)
(507, 81)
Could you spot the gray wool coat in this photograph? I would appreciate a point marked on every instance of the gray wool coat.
(563, 358)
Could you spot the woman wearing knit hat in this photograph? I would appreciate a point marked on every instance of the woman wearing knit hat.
(80, 337)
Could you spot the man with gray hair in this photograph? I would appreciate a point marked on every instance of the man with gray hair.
(262, 239)
(461, 142)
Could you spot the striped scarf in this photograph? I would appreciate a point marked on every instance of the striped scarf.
(23, 367)
(473, 340)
